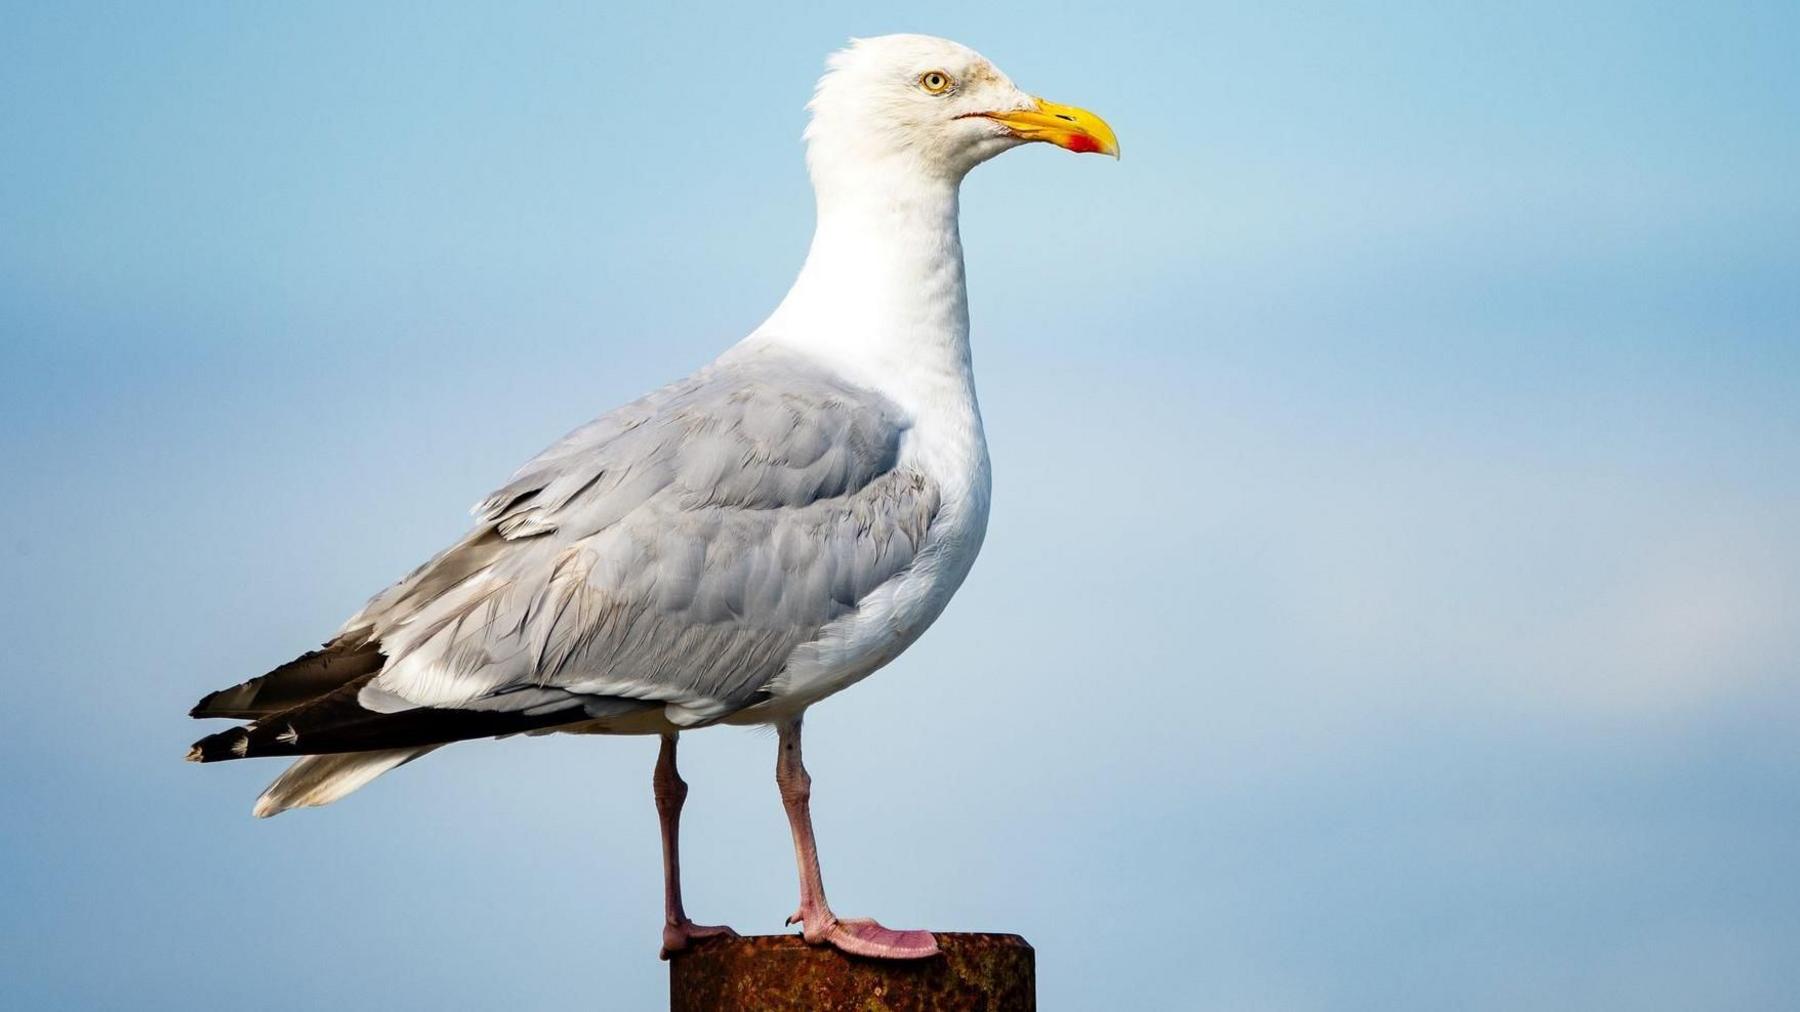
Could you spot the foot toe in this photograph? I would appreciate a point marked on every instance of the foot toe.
(861, 936)
(677, 937)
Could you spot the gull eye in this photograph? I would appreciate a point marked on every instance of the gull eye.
(935, 81)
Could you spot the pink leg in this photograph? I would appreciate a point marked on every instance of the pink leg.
(671, 791)
(858, 936)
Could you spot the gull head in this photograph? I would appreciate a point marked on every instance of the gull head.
(931, 107)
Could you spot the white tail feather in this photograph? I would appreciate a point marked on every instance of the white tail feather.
(322, 779)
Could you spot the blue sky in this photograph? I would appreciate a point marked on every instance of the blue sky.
(1391, 593)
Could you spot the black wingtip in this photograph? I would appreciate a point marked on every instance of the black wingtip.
(235, 703)
(232, 744)
(201, 708)
(301, 680)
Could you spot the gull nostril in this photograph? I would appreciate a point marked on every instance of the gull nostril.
(1062, 116)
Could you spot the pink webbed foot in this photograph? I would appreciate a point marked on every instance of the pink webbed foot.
(680, 935)
(862, 936)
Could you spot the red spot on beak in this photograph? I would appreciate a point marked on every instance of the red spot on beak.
(1081, 144)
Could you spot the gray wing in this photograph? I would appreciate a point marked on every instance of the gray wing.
(675, 551)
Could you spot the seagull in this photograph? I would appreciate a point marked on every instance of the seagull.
(731, 548)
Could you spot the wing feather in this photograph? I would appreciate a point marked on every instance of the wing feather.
(676, 551)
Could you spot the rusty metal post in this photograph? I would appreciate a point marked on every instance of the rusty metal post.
(781, 973)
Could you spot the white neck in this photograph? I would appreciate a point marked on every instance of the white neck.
(882, 297)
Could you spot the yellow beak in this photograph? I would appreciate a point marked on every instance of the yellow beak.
(1062, 125)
